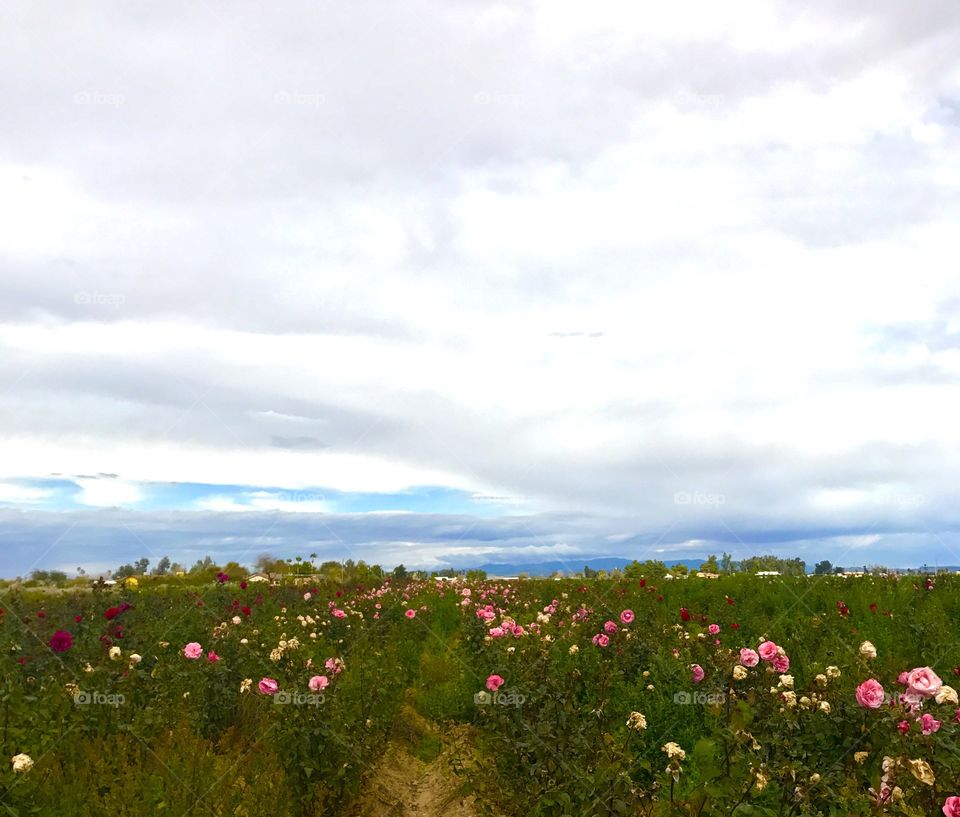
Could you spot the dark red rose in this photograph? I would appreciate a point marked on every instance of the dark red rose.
(643, 582)
(41, 614)
(684, 614)
(61, 641)
(111, 613)
(78, 618)
(243, 585)
(245, 610)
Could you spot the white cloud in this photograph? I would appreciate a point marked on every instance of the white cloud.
(582, 257)
(107, 493)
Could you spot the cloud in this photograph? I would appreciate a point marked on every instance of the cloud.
(582, 259)
(107, 493)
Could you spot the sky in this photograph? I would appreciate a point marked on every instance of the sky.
(459, 282)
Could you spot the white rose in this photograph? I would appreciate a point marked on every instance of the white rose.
(947, 695)
(22, 763)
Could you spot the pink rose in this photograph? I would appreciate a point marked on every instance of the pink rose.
(951, 807)
(748, 657)
(768, 650)
(411, 613)
(903, 727)
(714, 629)
(494, 682)
(781, 663)
(870, 694)
(318, 683)
(268, 686)
(212, 657)
(923, 681)
(696, 673)
(626, 616)
(902, 678)
(911, 701)
(929, 724)
(610, 627)
(193, 650)
(603, 640)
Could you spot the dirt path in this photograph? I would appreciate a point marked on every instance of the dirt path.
(404, 785)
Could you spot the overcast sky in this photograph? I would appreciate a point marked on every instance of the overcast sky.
(456, 282)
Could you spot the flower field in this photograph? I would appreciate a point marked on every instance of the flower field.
(742, 695)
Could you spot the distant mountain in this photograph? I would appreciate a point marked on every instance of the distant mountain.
(573, 565)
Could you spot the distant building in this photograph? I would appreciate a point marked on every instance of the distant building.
(258, 577)
(704, 575)
(768, 573)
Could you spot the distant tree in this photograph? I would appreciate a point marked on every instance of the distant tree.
(235, 570)
(141, 565)
(650, 569)
(48, 576)
(163, 567)
(823, 568)
(726, 563)
(124, 571)
(476, 575)
(679, 569)
(399, 572)
(589, 572)
(838, 570)
(710, 566)
(271, 566)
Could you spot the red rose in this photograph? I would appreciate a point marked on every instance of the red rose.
(61, 641)
(111, 613)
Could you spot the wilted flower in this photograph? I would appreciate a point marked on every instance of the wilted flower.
(245, 684)
(637, 721)
(946, 694)
(739, 672)
(867, 650)
(114, 653)
(921, 770)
